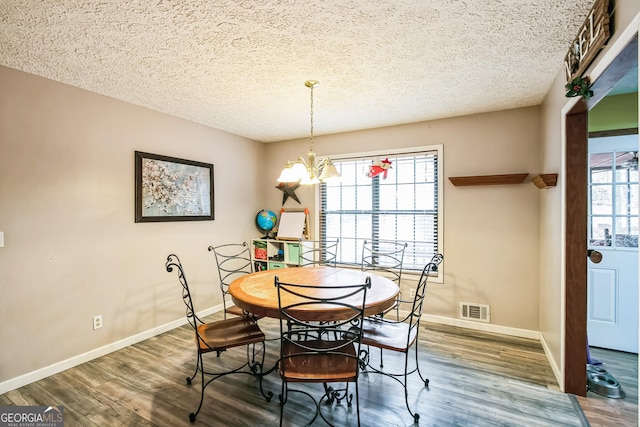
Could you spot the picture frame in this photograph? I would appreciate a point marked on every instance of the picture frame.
(172, 189)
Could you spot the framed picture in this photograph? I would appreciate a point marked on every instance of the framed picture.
(171, 189)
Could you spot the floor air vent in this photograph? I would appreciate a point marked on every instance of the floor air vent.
(479, 312)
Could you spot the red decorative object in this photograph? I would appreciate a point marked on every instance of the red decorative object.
(260, 253)
(380, 167)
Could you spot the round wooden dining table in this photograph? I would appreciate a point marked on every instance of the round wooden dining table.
(258, 294)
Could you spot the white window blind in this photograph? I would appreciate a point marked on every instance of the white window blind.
(401, 207)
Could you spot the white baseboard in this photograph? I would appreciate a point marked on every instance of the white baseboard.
(481, 326)
(554, 367)
(504, 330)
(47, 371)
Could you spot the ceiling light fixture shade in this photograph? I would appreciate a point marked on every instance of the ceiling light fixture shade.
(307, 172)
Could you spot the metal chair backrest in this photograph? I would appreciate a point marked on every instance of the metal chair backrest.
(317, 252)
(384, 256)
(233, 261)
(418, 300)
(174, 262)
(334, 336)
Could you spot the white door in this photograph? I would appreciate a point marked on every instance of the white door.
(612, 285)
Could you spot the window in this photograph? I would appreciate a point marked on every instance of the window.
(613, 194)
(403, 206)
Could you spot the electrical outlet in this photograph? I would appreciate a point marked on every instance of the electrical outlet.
(97, 322)
(412, 293)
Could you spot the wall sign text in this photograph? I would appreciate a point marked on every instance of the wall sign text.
(592, 37)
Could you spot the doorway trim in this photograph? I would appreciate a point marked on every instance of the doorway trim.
(575, 223)
(574, 271)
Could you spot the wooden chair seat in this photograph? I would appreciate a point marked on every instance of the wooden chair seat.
(388, 335)
(224, 334)
(314, 368)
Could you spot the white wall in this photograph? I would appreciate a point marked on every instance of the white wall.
(72, 249)
(491, 233)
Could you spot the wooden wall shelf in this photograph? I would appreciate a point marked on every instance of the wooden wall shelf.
(545, 180)
(514, 178)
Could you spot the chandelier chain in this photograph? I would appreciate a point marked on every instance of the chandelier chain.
(311, 114)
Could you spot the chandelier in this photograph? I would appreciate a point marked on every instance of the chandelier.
(307, 171)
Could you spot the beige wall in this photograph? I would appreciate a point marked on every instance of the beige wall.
(625, 22)
(72, 249)
(490, 232)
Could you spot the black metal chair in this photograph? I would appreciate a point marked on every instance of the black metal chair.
(386, 257)
(218, 337)
(399, 336)
(320, 352)
(233, 261)
(318, 253)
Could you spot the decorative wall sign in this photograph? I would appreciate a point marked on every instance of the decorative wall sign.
(171, 189)
(592, 36)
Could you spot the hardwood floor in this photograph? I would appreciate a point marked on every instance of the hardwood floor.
(604, 411)
(476, 379)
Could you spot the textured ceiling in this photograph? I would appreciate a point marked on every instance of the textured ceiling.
(240, 66)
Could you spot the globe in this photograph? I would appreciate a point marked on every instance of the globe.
(266, 220)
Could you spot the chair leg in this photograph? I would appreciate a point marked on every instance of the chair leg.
(192, 416)
(357, 403)
(251, 356)
(337, 395)
(254, 366)
(257, 368)
(415, 416)
(329, 393)
(190, 379)
(402, 378)
(283, 400)
(424, 380)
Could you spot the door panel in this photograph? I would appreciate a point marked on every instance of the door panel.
(603, 287)
(612, 301)
(612, 285)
